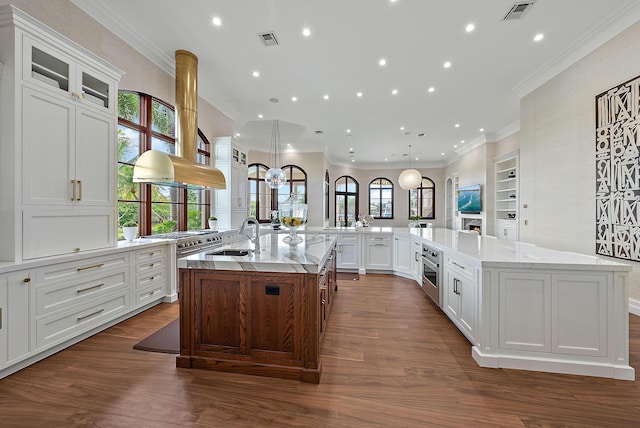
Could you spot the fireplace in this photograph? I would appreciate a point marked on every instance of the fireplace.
(474, 224)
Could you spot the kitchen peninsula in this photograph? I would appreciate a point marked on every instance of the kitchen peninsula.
(263, 313)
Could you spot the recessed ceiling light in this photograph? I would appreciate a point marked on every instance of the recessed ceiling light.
(431, 89)
(455, 146)
(393, 1)
(306, 32)
(447, 64)
(481, 129)
(442, 153)
(538, 37)
(382, 62)
(237, 134)
(259, 116)
(256, 74)
(326, 97)
(461, 141)
(359, 94)
(349, 132)
(385, 159)
(353, 160)
(469, 28)
(457, 125)
(350, 149)
(402, 128)
(216, 21)
(394, 92)
(294, 99)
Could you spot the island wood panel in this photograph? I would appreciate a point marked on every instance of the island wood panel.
(250, 322)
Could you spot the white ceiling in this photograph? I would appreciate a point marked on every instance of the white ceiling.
(491, 67)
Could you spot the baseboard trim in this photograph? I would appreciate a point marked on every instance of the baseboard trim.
(634, 306)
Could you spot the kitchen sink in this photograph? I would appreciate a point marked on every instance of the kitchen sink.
(230, 252)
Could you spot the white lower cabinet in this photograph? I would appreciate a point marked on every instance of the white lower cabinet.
(460, 296)
(348, 251)
(74, 297)
(402, 254)
(416, 259)
(15, 317)
(378, 252)
(151, 276)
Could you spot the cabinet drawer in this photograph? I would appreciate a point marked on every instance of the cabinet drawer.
(149, 255)
(459, 266)
(59, 327)
(150, 294)
(80, 270)
(153, 277)
(378, 238)
(150, 266)
(349, 238)
(66, 294)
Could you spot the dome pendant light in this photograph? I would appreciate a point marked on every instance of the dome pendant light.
(275, 176)
(410, 178)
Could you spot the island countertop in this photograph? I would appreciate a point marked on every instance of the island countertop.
(275, 255)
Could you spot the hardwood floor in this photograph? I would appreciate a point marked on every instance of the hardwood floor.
(390, 358)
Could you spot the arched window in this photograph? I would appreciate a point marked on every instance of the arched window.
(346, 202)
(381, 198)
(263, 200)
(422, 201)
(145, 123)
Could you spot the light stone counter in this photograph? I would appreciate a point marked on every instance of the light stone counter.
(275, 255)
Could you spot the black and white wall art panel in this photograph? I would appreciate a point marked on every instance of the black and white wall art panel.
(618, 171)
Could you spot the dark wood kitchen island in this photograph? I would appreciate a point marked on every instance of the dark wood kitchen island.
(262, 314)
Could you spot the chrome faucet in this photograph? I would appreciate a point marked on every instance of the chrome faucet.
(256, 237)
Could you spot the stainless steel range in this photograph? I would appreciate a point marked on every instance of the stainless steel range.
(194, 241)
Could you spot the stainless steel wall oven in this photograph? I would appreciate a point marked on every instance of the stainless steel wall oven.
(432, 273)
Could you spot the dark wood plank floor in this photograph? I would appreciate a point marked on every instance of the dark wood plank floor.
(390, 359)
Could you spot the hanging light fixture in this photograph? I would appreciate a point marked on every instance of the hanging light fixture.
(275, 176)
(410, 178)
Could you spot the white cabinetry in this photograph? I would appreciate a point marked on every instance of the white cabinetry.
(348, 251)
(402, 254)
(507, 215)
(58, 144)
(76, 296)
(378, 252)
(416, 259)
(460, 296)
(15, 316)
(150, 276)
(230, 204)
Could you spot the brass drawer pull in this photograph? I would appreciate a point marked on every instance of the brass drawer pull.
(80, 290)
(151, 265)
(26, 280)
(83, 317)
(91, 267)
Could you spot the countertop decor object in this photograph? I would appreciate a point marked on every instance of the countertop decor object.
(293, 214)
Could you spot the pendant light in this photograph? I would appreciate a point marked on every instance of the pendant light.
(410, 178)
(275, 176)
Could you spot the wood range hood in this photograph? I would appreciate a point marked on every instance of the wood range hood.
(182, 170)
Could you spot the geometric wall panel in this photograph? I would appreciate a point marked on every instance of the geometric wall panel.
(618, 171)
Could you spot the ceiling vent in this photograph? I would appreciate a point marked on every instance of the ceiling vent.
(269, 39)
(518, 10)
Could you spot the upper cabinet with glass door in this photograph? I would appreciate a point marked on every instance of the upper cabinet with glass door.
(74, 78)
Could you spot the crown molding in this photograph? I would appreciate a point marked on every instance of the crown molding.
(503, 133)
(113, 20)
(621, 19)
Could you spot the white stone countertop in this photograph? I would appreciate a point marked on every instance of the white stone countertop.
(490, 251)
(275, 255)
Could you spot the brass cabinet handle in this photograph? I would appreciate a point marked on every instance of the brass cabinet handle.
(91, 267)
(79, 189)
(80, 290)
(323, 302)
(26, 280)
(0, 318)
(73, 190)
(323, 287)
(151, 265)
(76, 249)
(83, 317)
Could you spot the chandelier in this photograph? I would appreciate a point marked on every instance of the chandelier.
(275, 176)
(410, 179)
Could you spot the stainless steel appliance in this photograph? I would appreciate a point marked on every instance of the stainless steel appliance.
(432, 273)
(194, 241)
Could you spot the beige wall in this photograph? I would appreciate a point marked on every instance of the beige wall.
(557, 148)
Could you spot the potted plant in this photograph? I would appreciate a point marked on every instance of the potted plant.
(130, 230)
(414, 221)
(213, 223)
